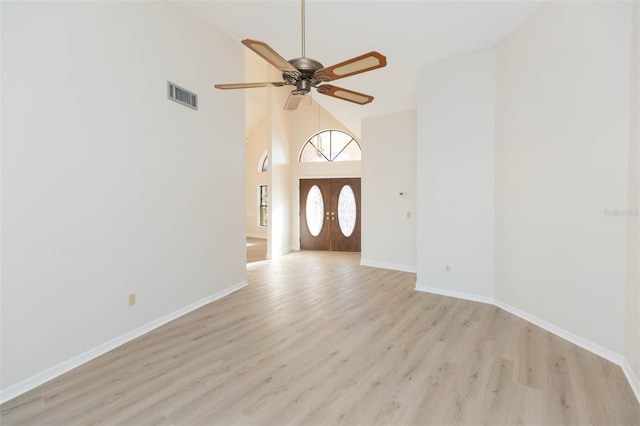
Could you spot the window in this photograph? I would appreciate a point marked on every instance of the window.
(330, 145)
(263, 163)
(263, 205)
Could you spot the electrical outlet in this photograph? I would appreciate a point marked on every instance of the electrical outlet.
(447, 268)
(132, 299)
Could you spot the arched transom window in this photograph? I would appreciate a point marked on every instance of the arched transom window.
(330, 145)
(263, 163)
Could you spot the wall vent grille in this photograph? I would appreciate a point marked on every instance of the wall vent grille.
(182, 96)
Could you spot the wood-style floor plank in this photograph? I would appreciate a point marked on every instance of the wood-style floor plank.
(315, 338)
(256, 249)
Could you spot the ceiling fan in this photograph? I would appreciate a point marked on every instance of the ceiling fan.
(304, 73)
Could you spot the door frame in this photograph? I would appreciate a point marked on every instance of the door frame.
(331, 237)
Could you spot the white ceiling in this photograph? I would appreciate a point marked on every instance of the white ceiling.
(411, 34)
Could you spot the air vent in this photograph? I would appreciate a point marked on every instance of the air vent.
(182, 96)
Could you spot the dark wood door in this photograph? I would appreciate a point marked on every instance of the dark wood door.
(330, 214)
(345, 214)
(315, 226)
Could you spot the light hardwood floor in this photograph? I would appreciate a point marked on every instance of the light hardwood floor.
(256, 250)
(317, 339)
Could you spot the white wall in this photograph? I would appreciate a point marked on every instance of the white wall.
(279, 240)
(257, 144)
(455, 159)
(109, 188)
(562, 108)
(256, 100)
(632, 296)
(389, 168)
(257, 130)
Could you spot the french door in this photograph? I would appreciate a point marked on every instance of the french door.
(330, 214)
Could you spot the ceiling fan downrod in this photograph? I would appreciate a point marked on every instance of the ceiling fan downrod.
(303, 29)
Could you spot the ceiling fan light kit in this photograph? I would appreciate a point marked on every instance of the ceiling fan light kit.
(304, 73)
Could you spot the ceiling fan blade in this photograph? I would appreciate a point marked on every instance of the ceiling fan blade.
(293, 101)
(344, 94)
(367, 62)
(270, 55)
(248, 85)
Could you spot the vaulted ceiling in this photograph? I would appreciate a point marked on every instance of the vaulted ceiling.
(411, 34)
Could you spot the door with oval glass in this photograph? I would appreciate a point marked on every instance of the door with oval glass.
(330, 214)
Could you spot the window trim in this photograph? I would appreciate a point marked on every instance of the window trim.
(264, 158)
(327, 160)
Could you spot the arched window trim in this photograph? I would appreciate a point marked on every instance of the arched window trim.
(263, 164)
(353, 139)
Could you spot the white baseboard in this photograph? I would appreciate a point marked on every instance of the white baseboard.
(632, 378)
(55, 371)
(577, 340)
(260, 236)
(615, 358)
(456, 294)
(388, 265)
(281, 252)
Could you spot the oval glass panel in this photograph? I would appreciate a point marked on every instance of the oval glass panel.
(315, 210)
(347, 210)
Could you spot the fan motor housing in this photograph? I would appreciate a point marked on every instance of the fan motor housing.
(306, 64)
(307, 68)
